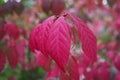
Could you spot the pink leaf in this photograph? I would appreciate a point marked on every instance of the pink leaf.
(84, 61)
(38, 36)
(42, 60)
(74, 72)
(59, 42)
(12, 30)
(103, 73)
(117, 76)
(32, 41)
(86, 37)
(12, 56)
(117, 61)
(20, 48)
(2, 60)
(110, 55)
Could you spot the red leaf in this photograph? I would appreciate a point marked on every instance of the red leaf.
(20, 48)
(12, 30)
(103, 71)
(74, 69)
(110, 55)
(12, 56)
(42, 60)
(39, 36)
(2, 60)
(117, 61)
(84, 61)
(59, 42)
(86, 37)
(117, 76)
(32, 41)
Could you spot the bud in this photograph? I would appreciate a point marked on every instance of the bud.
(57, 6)
(18, 7)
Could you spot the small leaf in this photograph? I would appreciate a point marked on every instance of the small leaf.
(20, 48)
(59, 42)
(12, 30)
(12, 55)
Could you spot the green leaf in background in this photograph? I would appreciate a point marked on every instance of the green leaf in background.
(33, 74)
(28, 3)
(1, 2)
(7, 72)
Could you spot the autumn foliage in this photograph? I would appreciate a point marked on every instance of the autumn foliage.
(59, 39)
(53, 40)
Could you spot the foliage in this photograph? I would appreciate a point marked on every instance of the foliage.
(59, 40)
